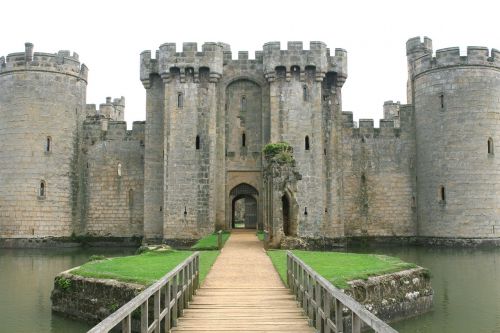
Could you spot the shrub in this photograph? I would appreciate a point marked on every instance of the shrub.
(279, 152)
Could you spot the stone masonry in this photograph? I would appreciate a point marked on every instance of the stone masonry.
(427, 173)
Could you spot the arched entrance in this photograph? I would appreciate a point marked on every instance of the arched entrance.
(289, 210)
(244, 206)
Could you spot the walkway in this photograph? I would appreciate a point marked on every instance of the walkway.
(243, 293)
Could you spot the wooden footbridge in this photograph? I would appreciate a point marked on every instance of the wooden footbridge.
(243, 293)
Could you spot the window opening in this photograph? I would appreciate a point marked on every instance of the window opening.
(180, 100)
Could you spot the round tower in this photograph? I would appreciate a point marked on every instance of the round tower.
(42, 99)
(457, 127)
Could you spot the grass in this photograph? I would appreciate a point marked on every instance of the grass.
(145, 268)
(210, 242)
(340, 267)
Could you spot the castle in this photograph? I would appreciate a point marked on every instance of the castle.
(429, 172)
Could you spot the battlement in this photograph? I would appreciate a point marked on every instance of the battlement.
(318, 56)
(388, 127)
(415, 45)
(97, 128)
(169, 62)
(112, 109)
(448, 57)
(61, 62)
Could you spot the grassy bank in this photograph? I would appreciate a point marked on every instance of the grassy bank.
(340, 267)
(145, 268)
(210, 242)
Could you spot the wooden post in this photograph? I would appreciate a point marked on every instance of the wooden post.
(197, 273)
(356, 323)
(339, 316)
(266, 240)
(318, 301)
(168, 316)
(156, 311)
(126, 325)
(328, 312)
(144, 317)
(176, 303)
(219, 240)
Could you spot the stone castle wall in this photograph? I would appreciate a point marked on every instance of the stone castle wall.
(113, 169)
(42, 103)
(456, 102)
(429, 170)
(378, 177)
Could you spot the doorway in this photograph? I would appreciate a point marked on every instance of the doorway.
(244, 207)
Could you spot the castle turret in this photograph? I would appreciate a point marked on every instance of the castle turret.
(304, 96)
(457, 126)
(42, 103)
(180, 155)
(415, 48)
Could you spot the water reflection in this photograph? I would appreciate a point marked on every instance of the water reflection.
(466, 289)
(26, 279)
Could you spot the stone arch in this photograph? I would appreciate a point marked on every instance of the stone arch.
(247, 196)
(289, 210)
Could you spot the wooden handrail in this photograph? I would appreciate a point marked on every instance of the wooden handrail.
(177, 287)
(324, 303)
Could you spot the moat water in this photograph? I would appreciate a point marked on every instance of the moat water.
(26, 281)
(466, 284)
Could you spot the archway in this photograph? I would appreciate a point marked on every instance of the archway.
(244, 207)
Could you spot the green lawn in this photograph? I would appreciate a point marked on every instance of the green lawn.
(145, 268)
(340, 267)
(210, 242)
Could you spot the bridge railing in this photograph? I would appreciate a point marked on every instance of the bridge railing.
(325, 304)
(169, 296)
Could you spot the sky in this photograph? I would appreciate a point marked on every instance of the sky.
(109, 36)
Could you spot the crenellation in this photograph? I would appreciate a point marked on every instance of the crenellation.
(446, 57)
(60, 62)
(242, 55)
(478, 55)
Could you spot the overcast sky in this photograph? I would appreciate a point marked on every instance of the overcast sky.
(110, 35)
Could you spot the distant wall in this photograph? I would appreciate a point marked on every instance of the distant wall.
(378, 182)
(114, 178)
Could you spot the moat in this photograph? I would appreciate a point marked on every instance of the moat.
(467, 295)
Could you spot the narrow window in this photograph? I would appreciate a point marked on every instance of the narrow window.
(180, 100)
(490, 146)
(307, 142)
(441, 100)
(119, 169)
(243, 104)
(41, 191)
(131, 197)
(48, 144)
(304, 93)
(442, 194)
(197, 142)
(243, 140)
